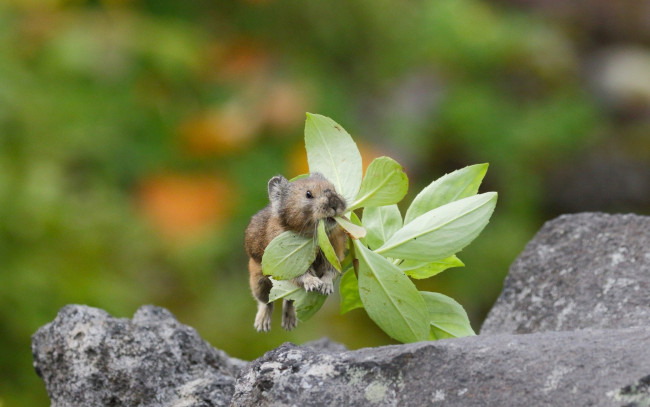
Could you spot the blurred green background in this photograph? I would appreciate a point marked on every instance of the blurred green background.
(137, 137)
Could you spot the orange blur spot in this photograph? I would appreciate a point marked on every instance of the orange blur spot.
(219, 131)
(284, 106)
(184, 206)
(243, 59)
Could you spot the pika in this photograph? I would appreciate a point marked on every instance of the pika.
(295, 206)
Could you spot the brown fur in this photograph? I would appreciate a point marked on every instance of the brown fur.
(291, 209)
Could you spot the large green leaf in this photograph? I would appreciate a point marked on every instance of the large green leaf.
(349, 289)
(282, 288)
(356, 231)
(448, 188)
(355, 220)
(447, 317)
(305, 303)
(385, 183)
(288, 255)
(390, 298)
(443, 231)
(326, 246)
(381, 222)
(332, 152)
(420, 270)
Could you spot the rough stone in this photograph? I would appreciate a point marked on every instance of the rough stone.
(584, 368)
(88, 358)
(582, 271)
(578, 293)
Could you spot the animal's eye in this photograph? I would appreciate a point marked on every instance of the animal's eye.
(309, 195)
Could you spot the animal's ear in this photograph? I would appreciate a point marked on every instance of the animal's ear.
(278, 186)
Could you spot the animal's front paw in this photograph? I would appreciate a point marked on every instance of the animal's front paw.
(327, 287)
(311, 283)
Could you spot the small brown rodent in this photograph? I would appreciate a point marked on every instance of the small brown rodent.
(295, 206)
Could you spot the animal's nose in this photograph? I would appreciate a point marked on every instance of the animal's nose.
(336, 204)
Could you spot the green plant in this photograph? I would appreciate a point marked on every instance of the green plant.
(384, 249)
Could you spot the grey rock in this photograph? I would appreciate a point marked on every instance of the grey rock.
(88, 358)
(584, 368)
(589, 270)
(578, 292)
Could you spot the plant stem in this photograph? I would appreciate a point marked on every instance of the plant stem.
(355, 261)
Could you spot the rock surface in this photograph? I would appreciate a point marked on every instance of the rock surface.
(597, 368)
(580, 271)
(589, 270)
(88, 358)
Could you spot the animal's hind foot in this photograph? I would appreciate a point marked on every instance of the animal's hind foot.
(263, 317)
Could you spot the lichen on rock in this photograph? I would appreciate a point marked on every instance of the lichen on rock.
(578, 294)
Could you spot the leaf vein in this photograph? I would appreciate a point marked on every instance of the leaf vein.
(408, 323)
(329, 153)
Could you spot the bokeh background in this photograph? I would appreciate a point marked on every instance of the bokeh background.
(137, 137)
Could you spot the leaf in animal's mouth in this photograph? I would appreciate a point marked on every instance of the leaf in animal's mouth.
(354, 231)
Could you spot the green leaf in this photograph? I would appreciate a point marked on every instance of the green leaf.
(282, 288)
(288, 255)
(443, 231)
(447, 317)
(385, 183)
(349, 289)
(355, 219)
(326, 246)
(448, 188)
(297, 177)
(347, 260)
(356, 231)
(390, 298)
(420, 270)
(305, 303)
(332, 152)
(381, 222)
(437, 334)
